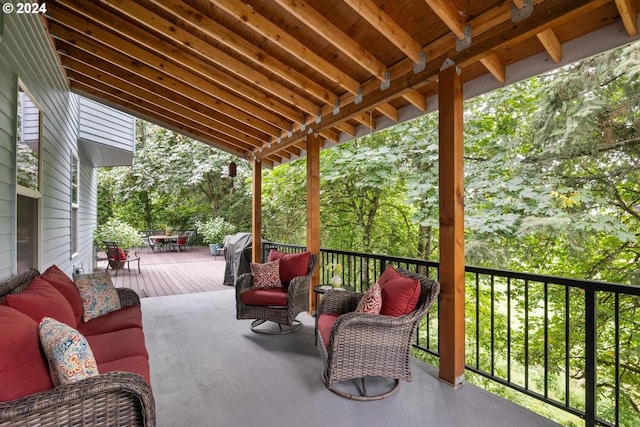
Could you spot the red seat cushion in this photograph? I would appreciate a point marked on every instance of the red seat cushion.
(23, 368)
(325, 324)
(400, 294)
(59, 280)
(41, 300)
(123, 318)
(135, 364)
(270, 296)
(117, 345)
(291, 265)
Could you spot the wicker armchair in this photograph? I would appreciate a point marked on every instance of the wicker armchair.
(364, 345)
(297, 301)
(110, 399)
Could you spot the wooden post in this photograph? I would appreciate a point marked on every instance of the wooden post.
(256, 212)
(451, 184)
(313, 208)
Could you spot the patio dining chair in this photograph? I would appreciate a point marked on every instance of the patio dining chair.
(117, 258)
(276, 304)
(181, 242)
(356, 343)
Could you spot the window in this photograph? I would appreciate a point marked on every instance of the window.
(28, 182)
(75, 204)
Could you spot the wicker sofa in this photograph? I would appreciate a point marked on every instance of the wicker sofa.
(119, 396)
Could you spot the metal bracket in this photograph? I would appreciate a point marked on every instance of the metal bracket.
(448, 63)
(319, 116)
(518, 15)
(420, 66)
(290, 133)
(278, 140)
(387, 81)
(336, 109)
(303, 126)
(466, 42)
(358, 99)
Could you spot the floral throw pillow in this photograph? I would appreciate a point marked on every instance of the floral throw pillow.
(371, 301)
(267, 275)
(68, 353)
(99, 296)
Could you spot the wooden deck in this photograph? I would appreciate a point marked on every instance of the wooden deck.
(171, 273)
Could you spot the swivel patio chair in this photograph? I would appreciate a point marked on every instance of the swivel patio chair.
(354, 343)
(117, 258)
(279, 304)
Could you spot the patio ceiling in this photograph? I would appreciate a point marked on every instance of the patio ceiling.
(254, 77)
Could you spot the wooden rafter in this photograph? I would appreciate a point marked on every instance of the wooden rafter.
(275, 34)
(449, 15)
(388, 27)
(628, 12)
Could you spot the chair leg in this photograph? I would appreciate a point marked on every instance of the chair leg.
(295, 325)
(363, 397)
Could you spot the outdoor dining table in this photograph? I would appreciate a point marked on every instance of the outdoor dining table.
(163, 239)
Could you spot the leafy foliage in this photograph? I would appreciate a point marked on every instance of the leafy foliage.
(123, 234)
(215, 230)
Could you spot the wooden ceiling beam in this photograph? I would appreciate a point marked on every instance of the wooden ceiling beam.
(387, 27)
(551, 44)
(334, 35)
(142, 16)
(195, 19)
(181, 82)
(495, 66)
(347, 128)
(172, 101)
(449, 15)
(109, 84)
(628, 13)
(140, 107)
(388, 110)
(330, 135)
(416, 99)
(247, 16)
(502, 34)
(85, 16)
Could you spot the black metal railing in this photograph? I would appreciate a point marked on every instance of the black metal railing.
(569, 343)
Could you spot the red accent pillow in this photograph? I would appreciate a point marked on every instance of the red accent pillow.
(291, 265)
(41, 300)
(371, 301)
(266, 275)
(123, 255)
(23, 369)
(59, 280)
(400, 294)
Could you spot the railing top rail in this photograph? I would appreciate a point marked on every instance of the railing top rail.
(591, 285)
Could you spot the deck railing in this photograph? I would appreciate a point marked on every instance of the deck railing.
(572, 344)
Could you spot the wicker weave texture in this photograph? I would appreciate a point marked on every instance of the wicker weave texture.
(297, 298)
(111, 399)
(363, 345)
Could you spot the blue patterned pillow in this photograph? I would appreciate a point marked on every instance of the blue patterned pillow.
(68, 352)
(99, 296)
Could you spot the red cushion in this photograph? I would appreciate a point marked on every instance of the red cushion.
(23, 368)
(41, 299)
(59, 280)
(291, 265)
(122, 254)
(123, 318)
(265, 296)
(135, 364)
(325, 324)
(182, 240)
(400, 294)
(117, 345)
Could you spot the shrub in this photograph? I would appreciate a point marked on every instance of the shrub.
(215, 230)
(120, 232)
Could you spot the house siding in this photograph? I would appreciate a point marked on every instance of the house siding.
(26, 56)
